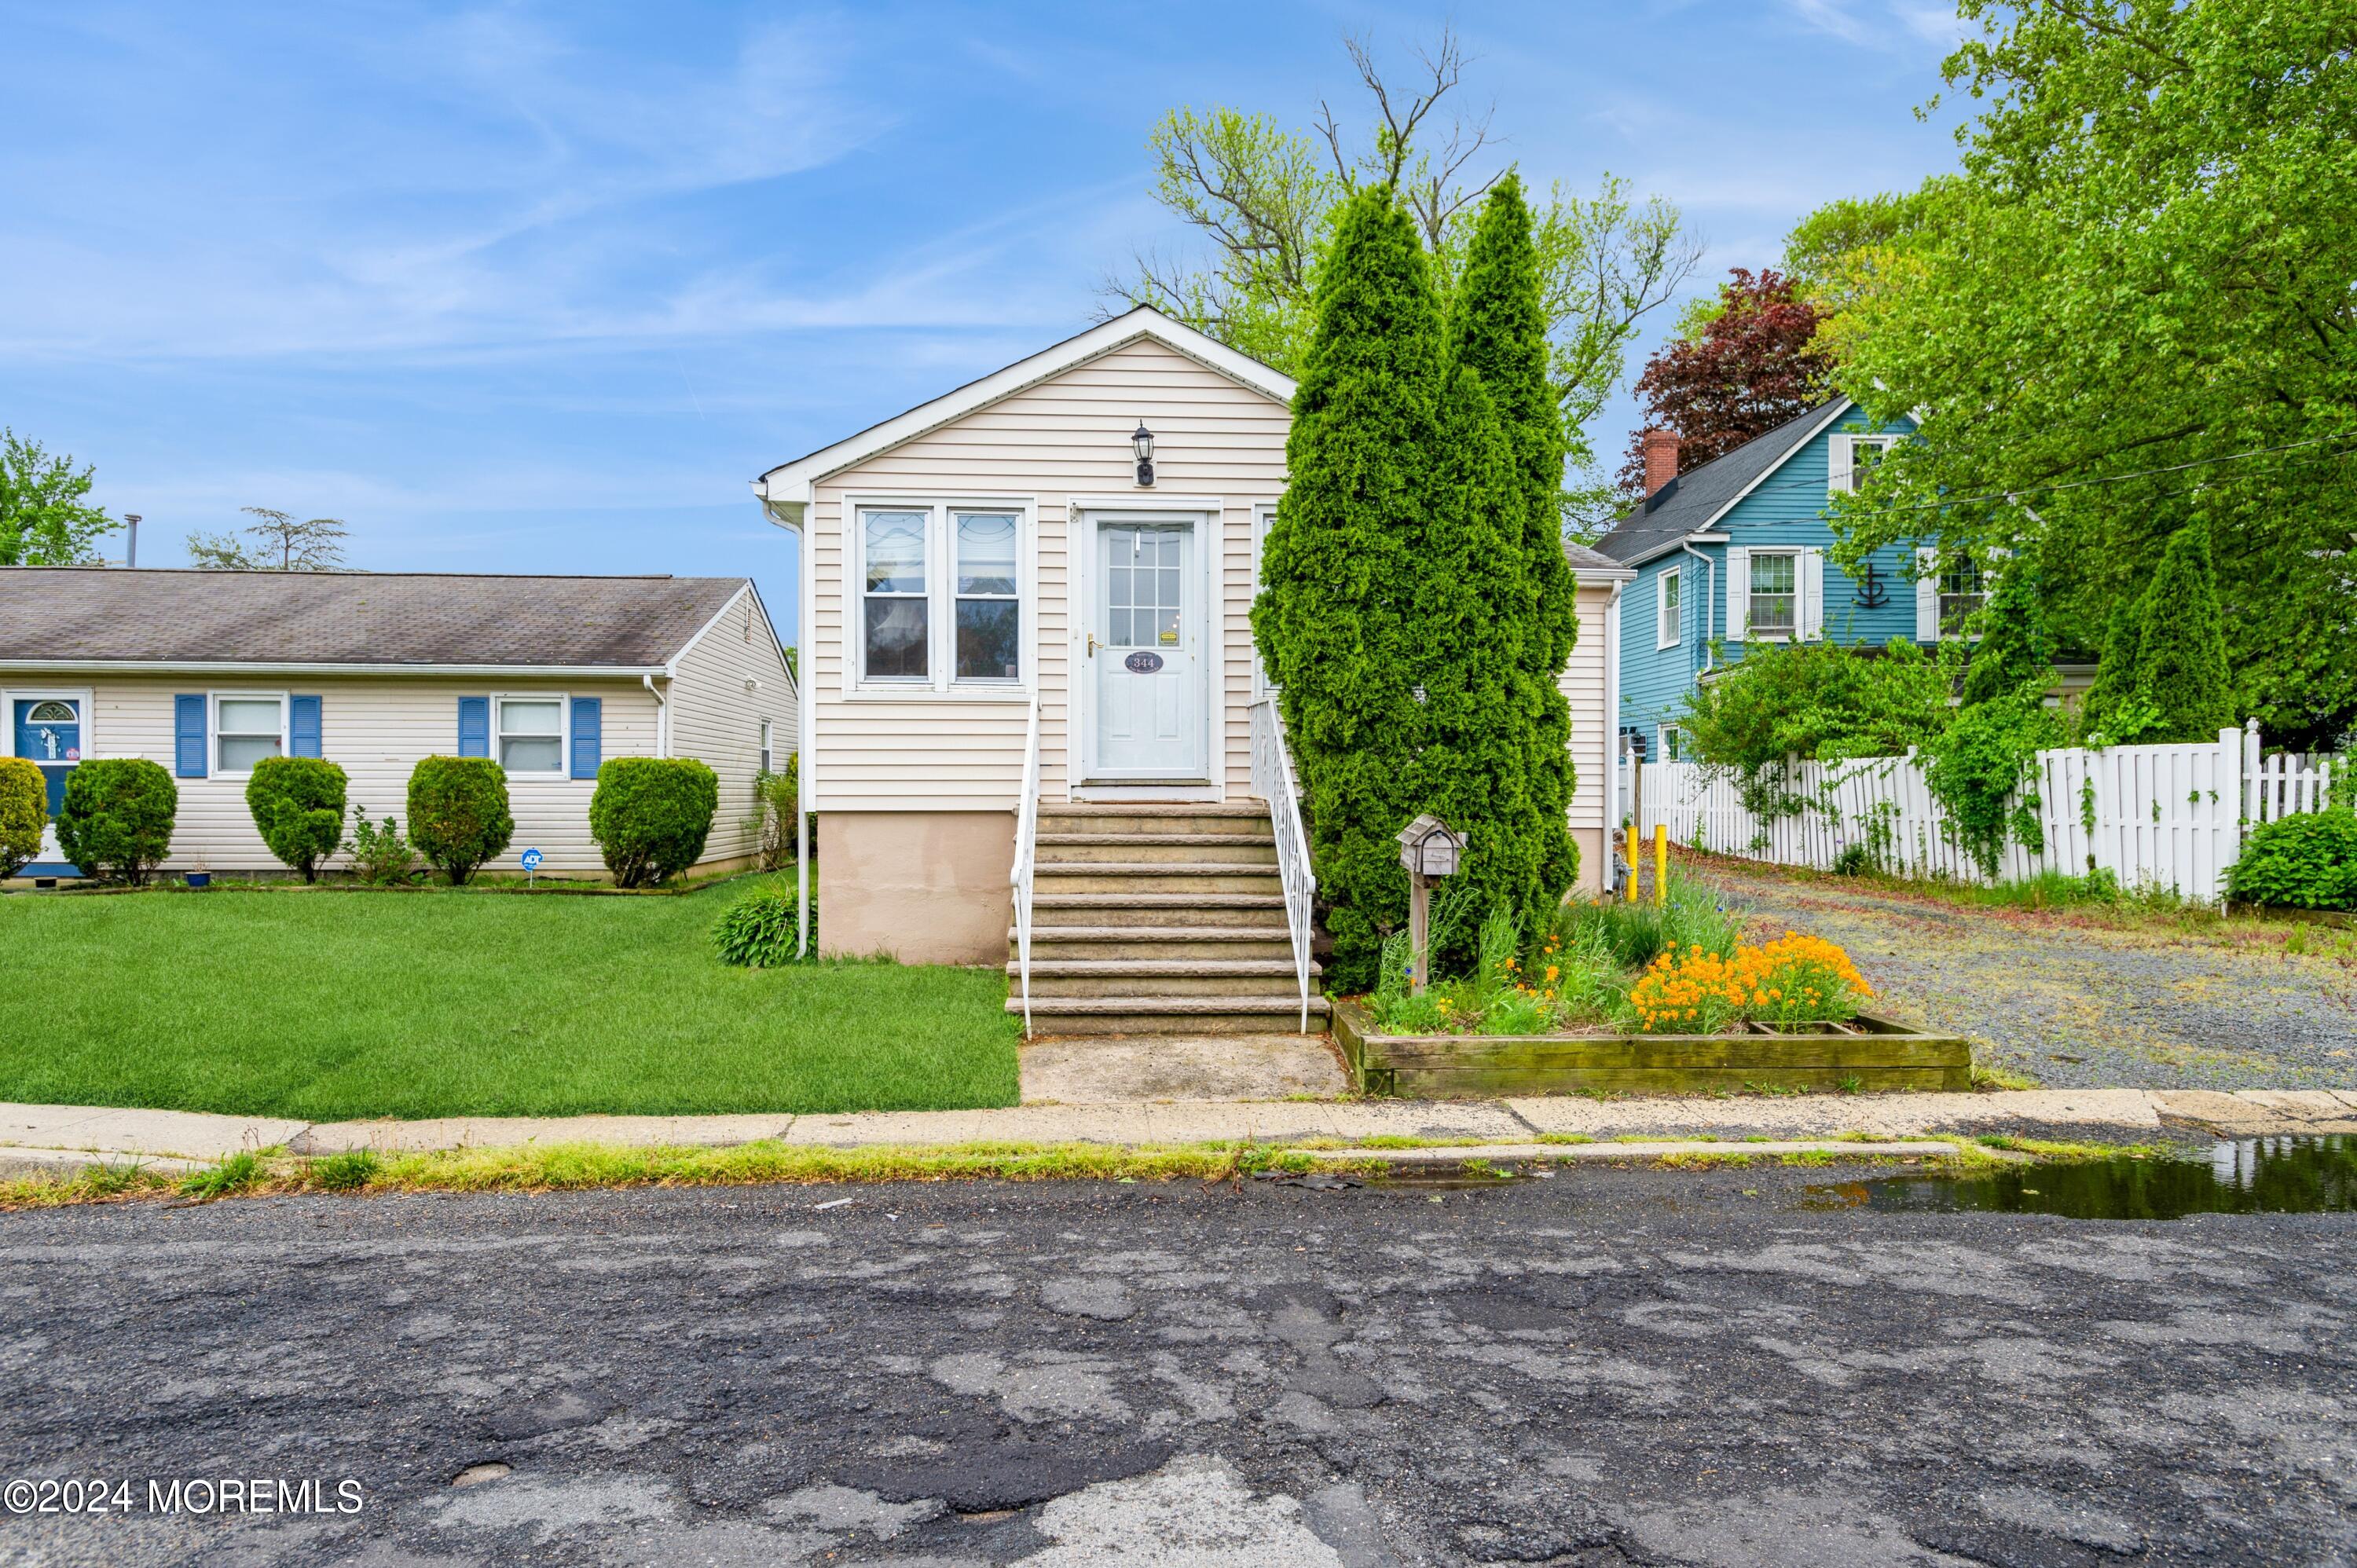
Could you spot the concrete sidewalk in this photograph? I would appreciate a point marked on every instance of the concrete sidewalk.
(47, 1137)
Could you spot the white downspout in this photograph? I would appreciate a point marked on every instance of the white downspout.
(663, 717)
(1612, 730)
(805, 707)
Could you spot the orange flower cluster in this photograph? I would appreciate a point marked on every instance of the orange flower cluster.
(1794, 979)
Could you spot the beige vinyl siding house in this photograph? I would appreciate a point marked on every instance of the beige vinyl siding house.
(201, 672)
(1590, 679)
(999, 545)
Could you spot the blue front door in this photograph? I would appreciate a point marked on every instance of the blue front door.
(48, 733)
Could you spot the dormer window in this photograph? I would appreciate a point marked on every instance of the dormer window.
(1851, 461)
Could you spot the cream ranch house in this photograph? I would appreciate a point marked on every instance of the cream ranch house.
(1033, 725)
(206, 671)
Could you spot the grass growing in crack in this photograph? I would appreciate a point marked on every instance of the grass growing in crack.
(236, 1173)
(346, 1172)
(1988, 1077)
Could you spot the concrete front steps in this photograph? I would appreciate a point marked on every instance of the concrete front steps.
(1158, 918)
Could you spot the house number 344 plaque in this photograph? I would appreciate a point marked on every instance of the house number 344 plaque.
(1143, 662)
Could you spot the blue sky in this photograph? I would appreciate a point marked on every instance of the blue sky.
(539, 287)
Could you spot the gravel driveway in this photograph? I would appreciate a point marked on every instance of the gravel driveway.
(2073, 1001)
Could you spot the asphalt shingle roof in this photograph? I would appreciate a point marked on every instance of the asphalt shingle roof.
(91, 613)
(1583, 558)
(1689, 502)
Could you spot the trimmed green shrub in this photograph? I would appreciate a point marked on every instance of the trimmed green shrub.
(117, 821)
(650, 816)
(1498, 328)
(2307, 862)
(23, 807)
(458, 815)
(1333, 615)
(757, 931)
(298, 806)
(2181, 652)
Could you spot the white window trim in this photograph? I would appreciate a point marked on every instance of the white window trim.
(213, 730)
(1263, 514)
(1800, 592)
(564, 700)
(1841, 457)
(768, 749)
(1662, 638)
(940, 600)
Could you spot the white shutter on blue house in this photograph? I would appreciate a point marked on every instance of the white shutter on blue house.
(1813, 594)
(1739, 592)
(1927, 593)
(1840, 459)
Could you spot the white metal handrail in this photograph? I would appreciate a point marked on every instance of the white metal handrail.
(1026, 844)
(1272, 780)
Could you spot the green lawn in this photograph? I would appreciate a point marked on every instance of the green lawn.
(328, 1005)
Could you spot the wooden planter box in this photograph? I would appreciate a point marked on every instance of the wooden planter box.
(1884, 1056)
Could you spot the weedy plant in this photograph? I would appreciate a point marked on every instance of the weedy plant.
(239, 1171)
(346, 1172)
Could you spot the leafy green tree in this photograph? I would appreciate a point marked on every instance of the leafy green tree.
(1334, 610)
(281, 543)
(2182, 667)
(1822, 701)
(1473, 767)
(44, 519)
(2136, 284)
(1498, 328)
(2016, 652)
(1268, 201)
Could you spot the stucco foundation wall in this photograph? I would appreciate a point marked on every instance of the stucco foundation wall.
(925, 887)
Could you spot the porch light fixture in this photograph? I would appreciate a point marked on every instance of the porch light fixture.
(1142, 440)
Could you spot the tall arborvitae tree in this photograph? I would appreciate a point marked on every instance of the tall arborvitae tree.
(1474, 769)
(2015, 655)
(2181, 664)
(1333, 615)
(1498, 329)
(2115, 675)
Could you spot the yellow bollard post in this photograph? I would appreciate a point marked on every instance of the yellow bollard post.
(1661, 862)
(1636, 867)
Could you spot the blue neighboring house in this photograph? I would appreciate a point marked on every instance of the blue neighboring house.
(1737, 553)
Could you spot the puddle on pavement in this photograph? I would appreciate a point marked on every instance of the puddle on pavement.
(2242, 1176)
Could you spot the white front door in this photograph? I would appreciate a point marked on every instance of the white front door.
(1146, 644)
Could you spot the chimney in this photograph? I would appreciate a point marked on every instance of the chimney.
(130, 554)
(1661, 447)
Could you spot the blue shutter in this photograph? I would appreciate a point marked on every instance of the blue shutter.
(303, 726)
(188, 734)
(474, 726)
(588, 736)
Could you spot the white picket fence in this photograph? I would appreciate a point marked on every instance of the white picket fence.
(2167, 815)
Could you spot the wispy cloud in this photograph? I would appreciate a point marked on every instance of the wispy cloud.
(1882, 25)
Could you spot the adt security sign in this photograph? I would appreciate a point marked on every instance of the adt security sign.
(531, 859)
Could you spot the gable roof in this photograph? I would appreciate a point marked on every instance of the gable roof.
(360, 620)
(788, 484)
(1697, 499)
(1590, 564)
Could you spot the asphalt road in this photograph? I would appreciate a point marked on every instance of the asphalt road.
(1605, 1368)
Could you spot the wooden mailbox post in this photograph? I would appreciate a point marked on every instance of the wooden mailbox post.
(1430, 849)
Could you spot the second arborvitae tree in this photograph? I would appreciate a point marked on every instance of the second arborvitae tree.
(1474, 769)
(1332, 619)
(2182, 668)
(1498, 329)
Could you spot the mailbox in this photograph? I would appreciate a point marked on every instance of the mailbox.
(1430, 847)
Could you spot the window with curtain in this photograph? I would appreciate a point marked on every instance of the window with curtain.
(246, 730)
(989, 610)
(1775, 593)
(530, 732)
(896, 641)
